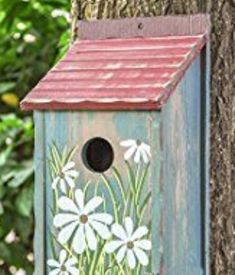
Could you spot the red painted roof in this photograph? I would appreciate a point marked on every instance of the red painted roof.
(134, 73)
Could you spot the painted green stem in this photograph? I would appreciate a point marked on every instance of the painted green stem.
(120, 183)
(112, 195)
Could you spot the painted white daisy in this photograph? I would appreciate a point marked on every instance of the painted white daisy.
(79, 222)
(129, 243)
(65, 265)
(66, 177)
(138, 149)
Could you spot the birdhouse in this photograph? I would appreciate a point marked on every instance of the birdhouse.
(121, 150)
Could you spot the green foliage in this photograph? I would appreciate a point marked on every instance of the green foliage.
(16, 187)
(34, 34)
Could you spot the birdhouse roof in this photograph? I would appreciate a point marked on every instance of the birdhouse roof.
(122, 64)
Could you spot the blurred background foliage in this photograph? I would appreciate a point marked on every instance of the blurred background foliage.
(34, 34)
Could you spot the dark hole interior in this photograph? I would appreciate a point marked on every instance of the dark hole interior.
(98, 155)
(140, 26)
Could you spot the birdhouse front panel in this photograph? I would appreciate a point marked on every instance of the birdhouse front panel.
(102, 190)
(121, 151)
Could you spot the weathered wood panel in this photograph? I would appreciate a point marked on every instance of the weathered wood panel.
(39, 194)
(205, 158)
(143, 27)
(75, 128)
(181, 178)
(56, 131)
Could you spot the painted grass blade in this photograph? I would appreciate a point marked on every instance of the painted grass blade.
(131, 177)
(112, 196)
(56, 157)
(119, 180)
(141, 183)
(71, 154)
(143, 206)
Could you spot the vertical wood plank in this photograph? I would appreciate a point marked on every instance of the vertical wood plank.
(205, 149)
(39, 194)
(50, 136)
(181, 178)
(56, 131)
(193, 155)
(155, 173)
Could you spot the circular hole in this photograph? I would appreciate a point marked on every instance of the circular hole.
(97, 155)
(140, 26)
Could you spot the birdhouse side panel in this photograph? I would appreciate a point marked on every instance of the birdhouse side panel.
(181, 180)
(101, 200)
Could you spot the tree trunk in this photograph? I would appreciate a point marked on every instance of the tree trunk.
(222, 104)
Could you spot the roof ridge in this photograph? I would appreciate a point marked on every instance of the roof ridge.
(158, 26)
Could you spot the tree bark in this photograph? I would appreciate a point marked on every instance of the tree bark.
(222, 105)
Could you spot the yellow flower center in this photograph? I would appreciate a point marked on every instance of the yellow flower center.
(130, 245)
(138, 142)
(83, 219)
(63, 268)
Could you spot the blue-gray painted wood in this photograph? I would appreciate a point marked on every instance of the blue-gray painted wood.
(181, 178)
(75, 128)
(205, 149)
(179, 137)
(56, 131)
(39, 195)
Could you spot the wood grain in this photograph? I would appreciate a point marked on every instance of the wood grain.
(39, 195)
(76, 128)
(107, 91)
(182, 212)
(143, 27)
